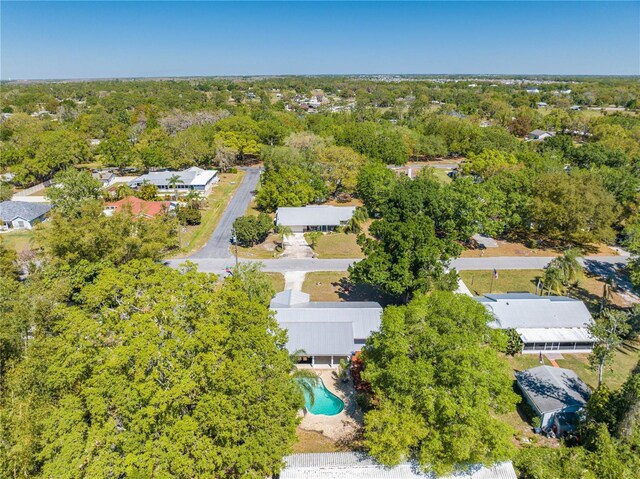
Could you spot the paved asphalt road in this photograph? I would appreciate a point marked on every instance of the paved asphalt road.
(215, 256)
(597, 264)
(218, 244)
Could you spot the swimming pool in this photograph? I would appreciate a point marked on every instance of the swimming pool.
(325, 402)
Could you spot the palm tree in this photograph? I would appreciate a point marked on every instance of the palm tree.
(570, 266)
(553, 280)
(305, 379)
(360, 215)
(284, 231)
(609, 283)
(194, 199)
(173, 182)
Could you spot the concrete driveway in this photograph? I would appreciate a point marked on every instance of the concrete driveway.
(296, 246)
(218, 244)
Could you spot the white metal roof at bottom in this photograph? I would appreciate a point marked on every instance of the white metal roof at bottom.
(554, 335)
(348, 465)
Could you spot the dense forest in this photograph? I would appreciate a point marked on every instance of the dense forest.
(105, 352)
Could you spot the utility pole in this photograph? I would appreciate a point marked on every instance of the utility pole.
(234, 240)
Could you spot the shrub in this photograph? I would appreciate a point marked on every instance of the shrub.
(251, 230)
(363, 400)
(514, 343)
(189, 216)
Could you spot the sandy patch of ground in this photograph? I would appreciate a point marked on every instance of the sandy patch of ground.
(342, 427)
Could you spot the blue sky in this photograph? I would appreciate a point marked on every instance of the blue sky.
(124, 39)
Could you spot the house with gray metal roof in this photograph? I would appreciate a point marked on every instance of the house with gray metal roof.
(325, 331)
(22, 214)
(544, 323)
(555, 394)
(314, 217)
(353, 465)
(193, 178)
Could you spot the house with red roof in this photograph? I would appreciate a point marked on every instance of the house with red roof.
(138, 207)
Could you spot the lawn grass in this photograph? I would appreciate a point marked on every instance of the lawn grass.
(252, 209)
(42, 192)
(625, 358)
(334, 286)
(590, 289)
(520, 362)
(441, 175)
(265, 250)
(313, 441)
(277, 281)
(337, 245)
(509, 280)
(196, 236)
(511, 248)
(18, 240)
(323, 285)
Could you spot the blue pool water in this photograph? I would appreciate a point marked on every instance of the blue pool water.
(325, 402)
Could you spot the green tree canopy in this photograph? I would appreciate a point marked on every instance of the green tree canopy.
(488, 163)
(434, 368)
(153, 373)
(72, 189)
(405, 257)
(373, 185)
(289, 179)
(250, 230)
(94, 238)
(572, 208)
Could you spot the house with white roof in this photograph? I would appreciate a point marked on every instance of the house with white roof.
(539, 135)
(556, 395)
(325, 331)
(193, 178)
(354, 465)
(314, 217)
(22, 214)
(544, 323)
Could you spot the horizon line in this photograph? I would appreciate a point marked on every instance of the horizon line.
(311, 75)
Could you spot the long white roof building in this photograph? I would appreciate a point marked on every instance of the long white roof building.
(352, 465)
(544, 323)
(193, 178)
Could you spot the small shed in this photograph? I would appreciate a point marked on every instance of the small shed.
(555, 394)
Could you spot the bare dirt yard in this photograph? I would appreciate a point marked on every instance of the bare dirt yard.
(508, 248)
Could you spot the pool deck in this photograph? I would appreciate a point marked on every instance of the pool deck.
(344, 425)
